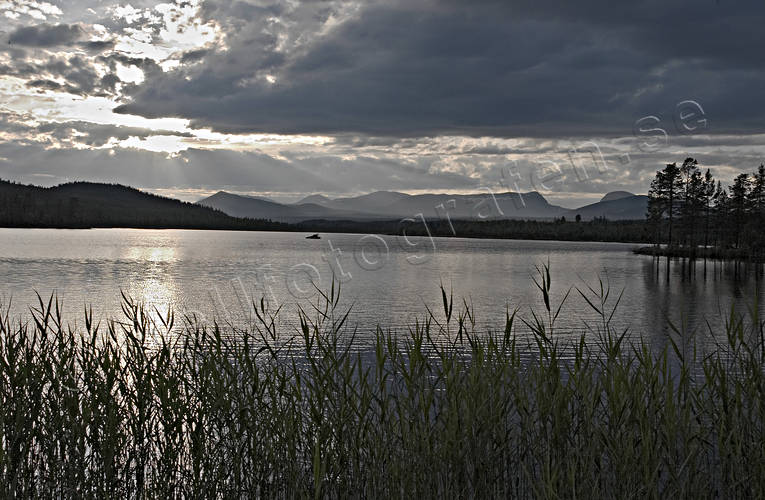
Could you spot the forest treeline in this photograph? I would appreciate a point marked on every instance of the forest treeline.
(691, 213)
(91, 205)
(598, 229)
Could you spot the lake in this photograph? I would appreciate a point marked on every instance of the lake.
(388, 280)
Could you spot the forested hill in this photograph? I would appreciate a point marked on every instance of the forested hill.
(87, 204)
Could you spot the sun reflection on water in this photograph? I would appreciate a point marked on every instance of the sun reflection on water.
(153, 254)
(154, 284)
(156, 293)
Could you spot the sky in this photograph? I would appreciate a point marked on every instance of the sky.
(287, 98)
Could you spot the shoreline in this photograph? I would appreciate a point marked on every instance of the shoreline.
(731, 254)
(386, 228)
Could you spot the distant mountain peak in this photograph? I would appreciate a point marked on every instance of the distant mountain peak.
(616, 195)
(226, 194)
(619, 205)
(219, 194)
(318, 199)
(386, 195)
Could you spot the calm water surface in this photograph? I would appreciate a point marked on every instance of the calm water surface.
(388, 280)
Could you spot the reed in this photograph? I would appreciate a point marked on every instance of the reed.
(149, 405)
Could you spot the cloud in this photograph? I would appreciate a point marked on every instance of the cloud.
(25, 129)
(46, 35)
(417, 96)
(64, 151)
(194, 56)
(29, 9)
(493, 68)
(80, 133)
(71, 73)
(97, 46)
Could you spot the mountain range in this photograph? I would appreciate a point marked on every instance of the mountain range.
(88, 204)
(380, 205)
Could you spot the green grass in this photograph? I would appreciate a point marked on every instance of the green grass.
(149, 406)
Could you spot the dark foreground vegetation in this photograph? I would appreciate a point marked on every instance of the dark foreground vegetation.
(693, 215)
(138, 407)
(89, 205)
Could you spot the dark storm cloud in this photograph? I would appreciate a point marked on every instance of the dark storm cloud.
(147, 65)
(397, 85)
(97, 46)
(194, 56)
(50, 85)
(46, 35)
(488, 68)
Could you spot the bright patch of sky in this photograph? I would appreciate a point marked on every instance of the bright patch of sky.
(40, 11)
(162, 32)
